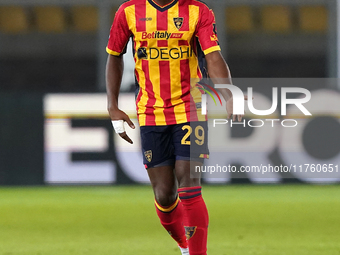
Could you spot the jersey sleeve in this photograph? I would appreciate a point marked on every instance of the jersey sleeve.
(206, 31)
(119, 34)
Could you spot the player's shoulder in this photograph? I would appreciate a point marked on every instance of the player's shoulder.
(128, 3)
(198, 3)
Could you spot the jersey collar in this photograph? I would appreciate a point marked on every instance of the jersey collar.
(162, 8)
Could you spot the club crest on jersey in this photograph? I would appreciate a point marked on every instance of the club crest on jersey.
(178, 22)
(189, 231)
(148, 155)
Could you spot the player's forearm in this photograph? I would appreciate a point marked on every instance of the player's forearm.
(114, 74)
(219, 72)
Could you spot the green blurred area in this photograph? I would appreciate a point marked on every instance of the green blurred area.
(287, 219)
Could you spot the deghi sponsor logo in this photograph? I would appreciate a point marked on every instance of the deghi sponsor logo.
(184, 52)
(161, 35)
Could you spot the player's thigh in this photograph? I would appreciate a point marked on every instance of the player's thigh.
(157, 147)
(159, 160)
(164, 184)
(191, 148)
(185, 173)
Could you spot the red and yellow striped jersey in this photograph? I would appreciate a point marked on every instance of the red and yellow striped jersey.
(169, 47)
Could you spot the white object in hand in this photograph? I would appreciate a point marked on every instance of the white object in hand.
(118, 126)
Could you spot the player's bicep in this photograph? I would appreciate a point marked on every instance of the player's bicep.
(214, 58)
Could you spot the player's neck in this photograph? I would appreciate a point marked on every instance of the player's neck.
(163, 2)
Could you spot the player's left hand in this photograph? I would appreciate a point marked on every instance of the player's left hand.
(230, 109)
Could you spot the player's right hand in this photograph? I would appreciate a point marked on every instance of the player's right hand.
(230, 107)
(118, 118)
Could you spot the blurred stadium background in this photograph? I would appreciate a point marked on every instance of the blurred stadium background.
(54, 130)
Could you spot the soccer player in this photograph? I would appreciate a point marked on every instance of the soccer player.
(175, 44)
